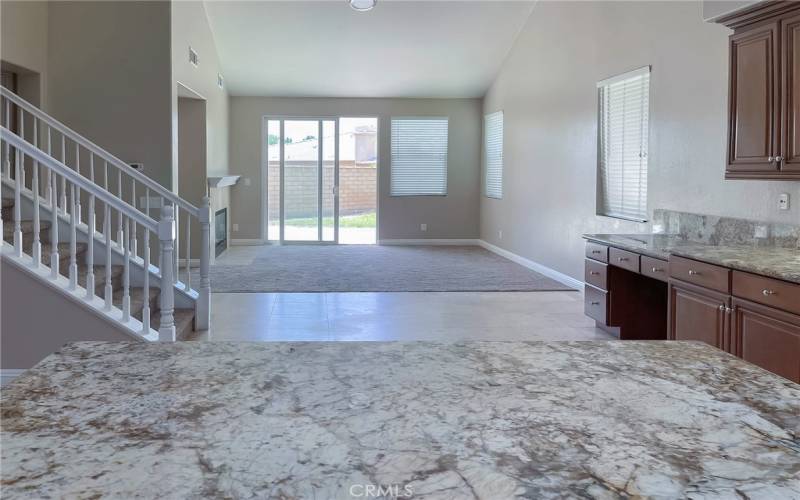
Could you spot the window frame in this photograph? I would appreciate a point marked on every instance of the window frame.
(601, 202)
(486, 118)
(392, 119)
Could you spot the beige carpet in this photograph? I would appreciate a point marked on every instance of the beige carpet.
(374, 268)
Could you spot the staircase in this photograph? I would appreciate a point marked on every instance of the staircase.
(71, 217)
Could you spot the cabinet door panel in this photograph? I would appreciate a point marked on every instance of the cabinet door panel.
(753, 127)
(698, 314)
(790, 48)
(768, 338)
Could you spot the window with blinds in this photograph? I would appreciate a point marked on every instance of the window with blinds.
(419, 156)
(493, 154)
(624, 109)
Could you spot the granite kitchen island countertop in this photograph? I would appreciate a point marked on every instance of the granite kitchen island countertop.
(487, 420)
(773, 261)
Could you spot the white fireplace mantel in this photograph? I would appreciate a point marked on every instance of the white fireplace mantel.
(224, 181)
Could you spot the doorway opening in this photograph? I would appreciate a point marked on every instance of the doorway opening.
(320, 180)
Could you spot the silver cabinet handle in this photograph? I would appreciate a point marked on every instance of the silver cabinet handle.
(658, 270)
(722, 307)
(692, 272)
(594, 273)
(595, 303)
(596, 251)
(778, 159)
(771, 159)
(767, 292)
(622, 259)
(728, 310)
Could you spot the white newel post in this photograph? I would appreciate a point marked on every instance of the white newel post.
(203, 307)
(166, 240)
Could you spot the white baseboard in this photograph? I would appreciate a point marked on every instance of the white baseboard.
(533, 266)
(247, 242)
(7, 375)
(438, 242)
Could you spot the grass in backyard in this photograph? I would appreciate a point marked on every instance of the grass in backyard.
(361, 220)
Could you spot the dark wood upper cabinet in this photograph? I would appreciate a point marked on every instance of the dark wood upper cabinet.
(696, 313)
(764, 78)
(753, 136)
(767, 337)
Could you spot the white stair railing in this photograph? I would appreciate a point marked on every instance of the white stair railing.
(82, 156)
(21, 151)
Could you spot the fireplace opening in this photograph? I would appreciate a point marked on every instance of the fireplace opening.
(220, 231)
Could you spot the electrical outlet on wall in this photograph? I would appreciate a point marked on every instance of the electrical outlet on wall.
(423, 227)
(247, 181)
(783, 201)
(235, 228)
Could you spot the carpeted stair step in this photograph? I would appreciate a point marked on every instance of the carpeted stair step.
(27, 233)
(8, 212)
(137, 300)
(100, 278)
(184, 322)
(63, 255)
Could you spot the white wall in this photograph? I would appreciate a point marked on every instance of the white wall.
(452, 216)
(23, 44)
(547, 88)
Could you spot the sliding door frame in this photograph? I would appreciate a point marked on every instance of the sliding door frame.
(320, 170)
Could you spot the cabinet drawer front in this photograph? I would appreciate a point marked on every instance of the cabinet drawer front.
(595, 304)
(655, 268)
(595, 274)
(700, 273)
(597, 251)
(624, 259)
(767, 291)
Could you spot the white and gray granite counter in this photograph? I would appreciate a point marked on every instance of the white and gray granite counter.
(489, 420)
(773, 261)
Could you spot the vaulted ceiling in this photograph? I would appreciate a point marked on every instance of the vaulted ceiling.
(398, 49)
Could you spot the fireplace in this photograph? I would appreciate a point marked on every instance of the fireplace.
(220, 231)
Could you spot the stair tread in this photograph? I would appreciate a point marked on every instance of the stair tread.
(100, 277)
(184, 319)
(137, 300)
(26, 227)
(63, 250)
(8, 202)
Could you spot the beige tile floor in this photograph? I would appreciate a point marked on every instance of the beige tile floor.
(445, 316)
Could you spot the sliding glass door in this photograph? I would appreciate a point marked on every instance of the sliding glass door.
(302, 179)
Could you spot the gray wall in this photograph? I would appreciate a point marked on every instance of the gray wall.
(37, 320)
(108, 78)
(547, 88)
(453, 216)
(23, 45)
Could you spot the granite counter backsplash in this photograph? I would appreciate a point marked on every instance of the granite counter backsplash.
(718, 230)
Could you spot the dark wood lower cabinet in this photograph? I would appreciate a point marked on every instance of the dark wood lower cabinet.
(697, 313)
(767, 337)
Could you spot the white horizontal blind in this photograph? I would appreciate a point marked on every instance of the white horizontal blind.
(624, 110)
(419, 156)
(493, 154)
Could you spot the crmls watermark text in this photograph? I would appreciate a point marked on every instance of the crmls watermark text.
(381, 491)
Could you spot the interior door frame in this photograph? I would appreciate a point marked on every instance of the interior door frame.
(320, 168)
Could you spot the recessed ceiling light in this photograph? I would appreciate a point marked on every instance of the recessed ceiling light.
(363, 5)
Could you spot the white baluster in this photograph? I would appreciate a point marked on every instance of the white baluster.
(134, 243)
(105, 175)
(49, 187)
(54, 259)
(36, 249)
(126, 275)
(91, 220)
(109, 289)
(73, 240)
(7, 164)
(177, 212)
(187, 253)
(90, 251)
(166, 240)
(77, 189)
(146, 310)
(63, 201)
(203, 305)
(18, 158)
(120, 236)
